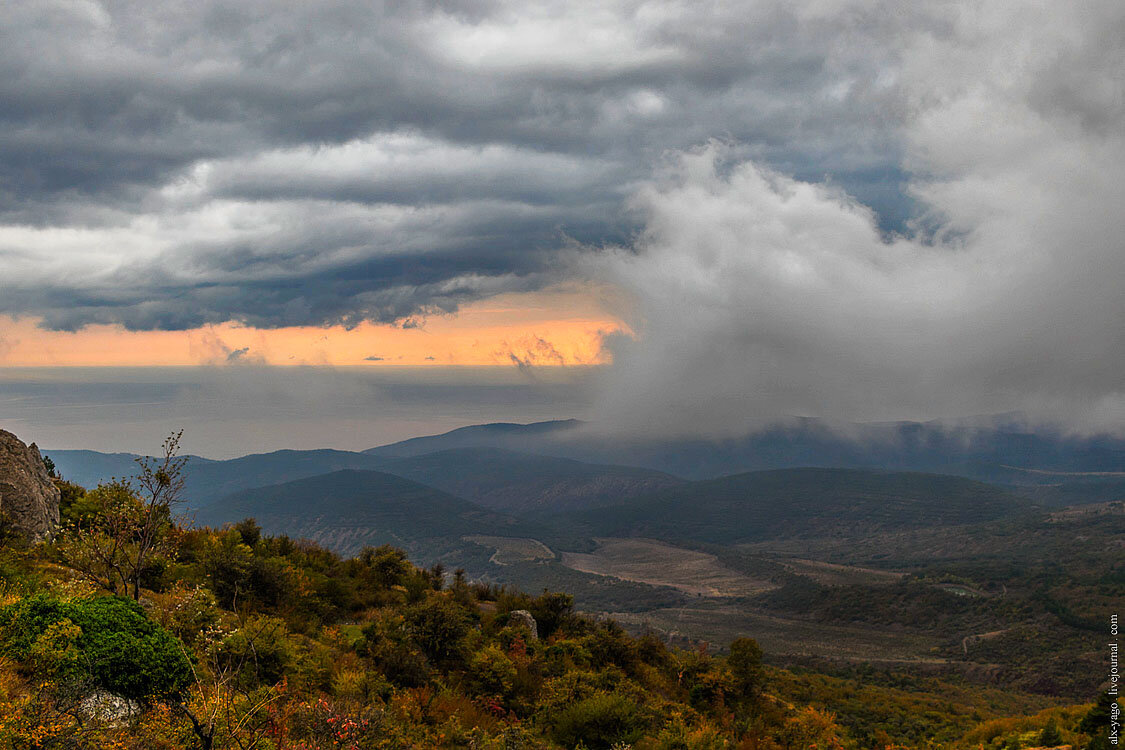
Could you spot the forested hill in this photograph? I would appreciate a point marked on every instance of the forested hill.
(347, 510)
(500, 479)
(1051, 468)
(492, 435)
(525, 484)
(995, 449)
(801, 502)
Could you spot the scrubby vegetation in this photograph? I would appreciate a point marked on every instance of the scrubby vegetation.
(1024, 603)
(231, 638)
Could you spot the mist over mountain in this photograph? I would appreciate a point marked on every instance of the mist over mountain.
(566, 464)
(802, 502)
(1001, 451)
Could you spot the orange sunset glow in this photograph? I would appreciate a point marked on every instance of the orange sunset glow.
(542, 329)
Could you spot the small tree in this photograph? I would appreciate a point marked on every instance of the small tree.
(161, 484)
(745, 662)
(1050, 736)
(437, 625)
(123, 526)
(99, 542)
(1096, 723)
(222, 707)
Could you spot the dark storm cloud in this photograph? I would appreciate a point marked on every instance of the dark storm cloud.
(763, 296)
(289, 163)
(846, 208)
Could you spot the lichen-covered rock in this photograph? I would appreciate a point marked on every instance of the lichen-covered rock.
(28, 497)
(523, 617)
(109, 708)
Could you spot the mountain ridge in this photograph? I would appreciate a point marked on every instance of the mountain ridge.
(349, 508)
(997, 450)
(528, 484)
(800, 502)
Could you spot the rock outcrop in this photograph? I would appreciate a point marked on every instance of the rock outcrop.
(108, 708)
(28, 498)
(521, 617)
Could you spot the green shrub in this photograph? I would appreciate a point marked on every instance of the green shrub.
(493, 673)
(437, 625)
(386, 565)
(678, 735)
(107, 640)
(745, 662)
(610, 644)
(72, 502)
(404, 666)
(386, 642)
(258, 653)
(1050, 736)
(55, 653)
(598, 722)
(227, 562)
(551, 611)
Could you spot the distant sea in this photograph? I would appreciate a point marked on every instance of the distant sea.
(235, 410)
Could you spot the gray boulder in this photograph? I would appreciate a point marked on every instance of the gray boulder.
(28, 497)
(522, 617)
(109, 709)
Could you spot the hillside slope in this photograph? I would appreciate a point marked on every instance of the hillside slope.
(349, 509)
(525, 484)
(494, 435)
(496, 478)
(801, 502)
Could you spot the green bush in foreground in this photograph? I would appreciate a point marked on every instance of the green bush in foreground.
(105, 640)
(599, 722)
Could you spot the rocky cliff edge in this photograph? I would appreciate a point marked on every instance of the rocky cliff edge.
(28, 498)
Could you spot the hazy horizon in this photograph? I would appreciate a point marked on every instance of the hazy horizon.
(230, 412)
(227, 412)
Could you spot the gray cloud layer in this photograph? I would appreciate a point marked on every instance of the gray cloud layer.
(904, 209)
(167, 165)
(764, 296)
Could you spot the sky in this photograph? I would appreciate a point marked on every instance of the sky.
(732, 211)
